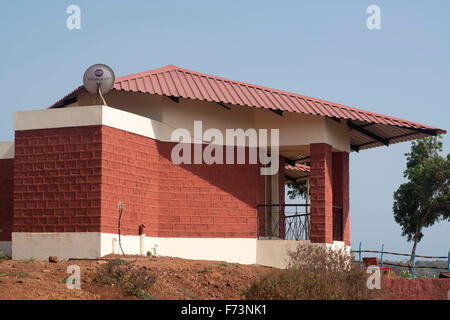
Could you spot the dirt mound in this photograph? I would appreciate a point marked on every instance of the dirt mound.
(176, 279)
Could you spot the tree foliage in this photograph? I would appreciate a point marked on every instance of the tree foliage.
(297, 189)
(425, 198)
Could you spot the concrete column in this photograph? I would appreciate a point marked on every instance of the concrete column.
(340, 183)
(321, 193)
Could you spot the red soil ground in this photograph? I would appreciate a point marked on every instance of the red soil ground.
(176, 279)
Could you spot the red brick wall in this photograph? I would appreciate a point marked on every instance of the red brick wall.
(6, 198)
(175, 200)
(71, 180)
(130, 174)
(321, 193)
(57, 176)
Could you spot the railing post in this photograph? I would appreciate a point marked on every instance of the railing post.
(448, 261)
(360, 260)
(382, 251)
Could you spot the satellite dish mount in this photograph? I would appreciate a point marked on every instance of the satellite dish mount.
(99, 79)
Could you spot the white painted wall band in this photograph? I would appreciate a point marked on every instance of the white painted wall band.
(7, 150)
(293, 131)
(273, 253)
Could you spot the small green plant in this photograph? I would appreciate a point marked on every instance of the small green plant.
(112, 273)
(149, 254)
(138, 281)
(3, 257)
(145, 296)
(208, 268)
(126, 276)
(184, 293)
(30, 260)
(405, 274)
(65, 279)
(223, 265)
(154, 249)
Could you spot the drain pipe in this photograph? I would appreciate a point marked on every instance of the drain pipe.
(142, 238)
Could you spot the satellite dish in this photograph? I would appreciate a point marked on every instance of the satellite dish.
(98, 79)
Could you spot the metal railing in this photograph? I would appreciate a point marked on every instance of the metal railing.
(413, 256)
(283, 221)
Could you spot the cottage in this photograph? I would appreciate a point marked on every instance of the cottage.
(72, 164)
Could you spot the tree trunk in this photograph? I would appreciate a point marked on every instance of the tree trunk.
(416, 236)
(413, 251)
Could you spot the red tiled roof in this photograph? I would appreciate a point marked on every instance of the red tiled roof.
(369, 129)
(298, 167)
(299, 171)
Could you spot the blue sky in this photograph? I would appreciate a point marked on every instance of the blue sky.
(317, 48)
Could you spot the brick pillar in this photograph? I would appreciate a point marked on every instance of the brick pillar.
(341, 189)
(321, 193)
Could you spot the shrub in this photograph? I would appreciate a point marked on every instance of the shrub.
(125, 275)
(138, 281)
(112, 273)
(3, 257)
(314, 272)
(30, 260)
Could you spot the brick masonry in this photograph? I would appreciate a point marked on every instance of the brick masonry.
(321, 193)
(57, 180)
(195, 200)
(6, 198)
(71, 179)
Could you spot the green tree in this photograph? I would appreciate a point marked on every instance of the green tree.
(425, 198)
(298, 189)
